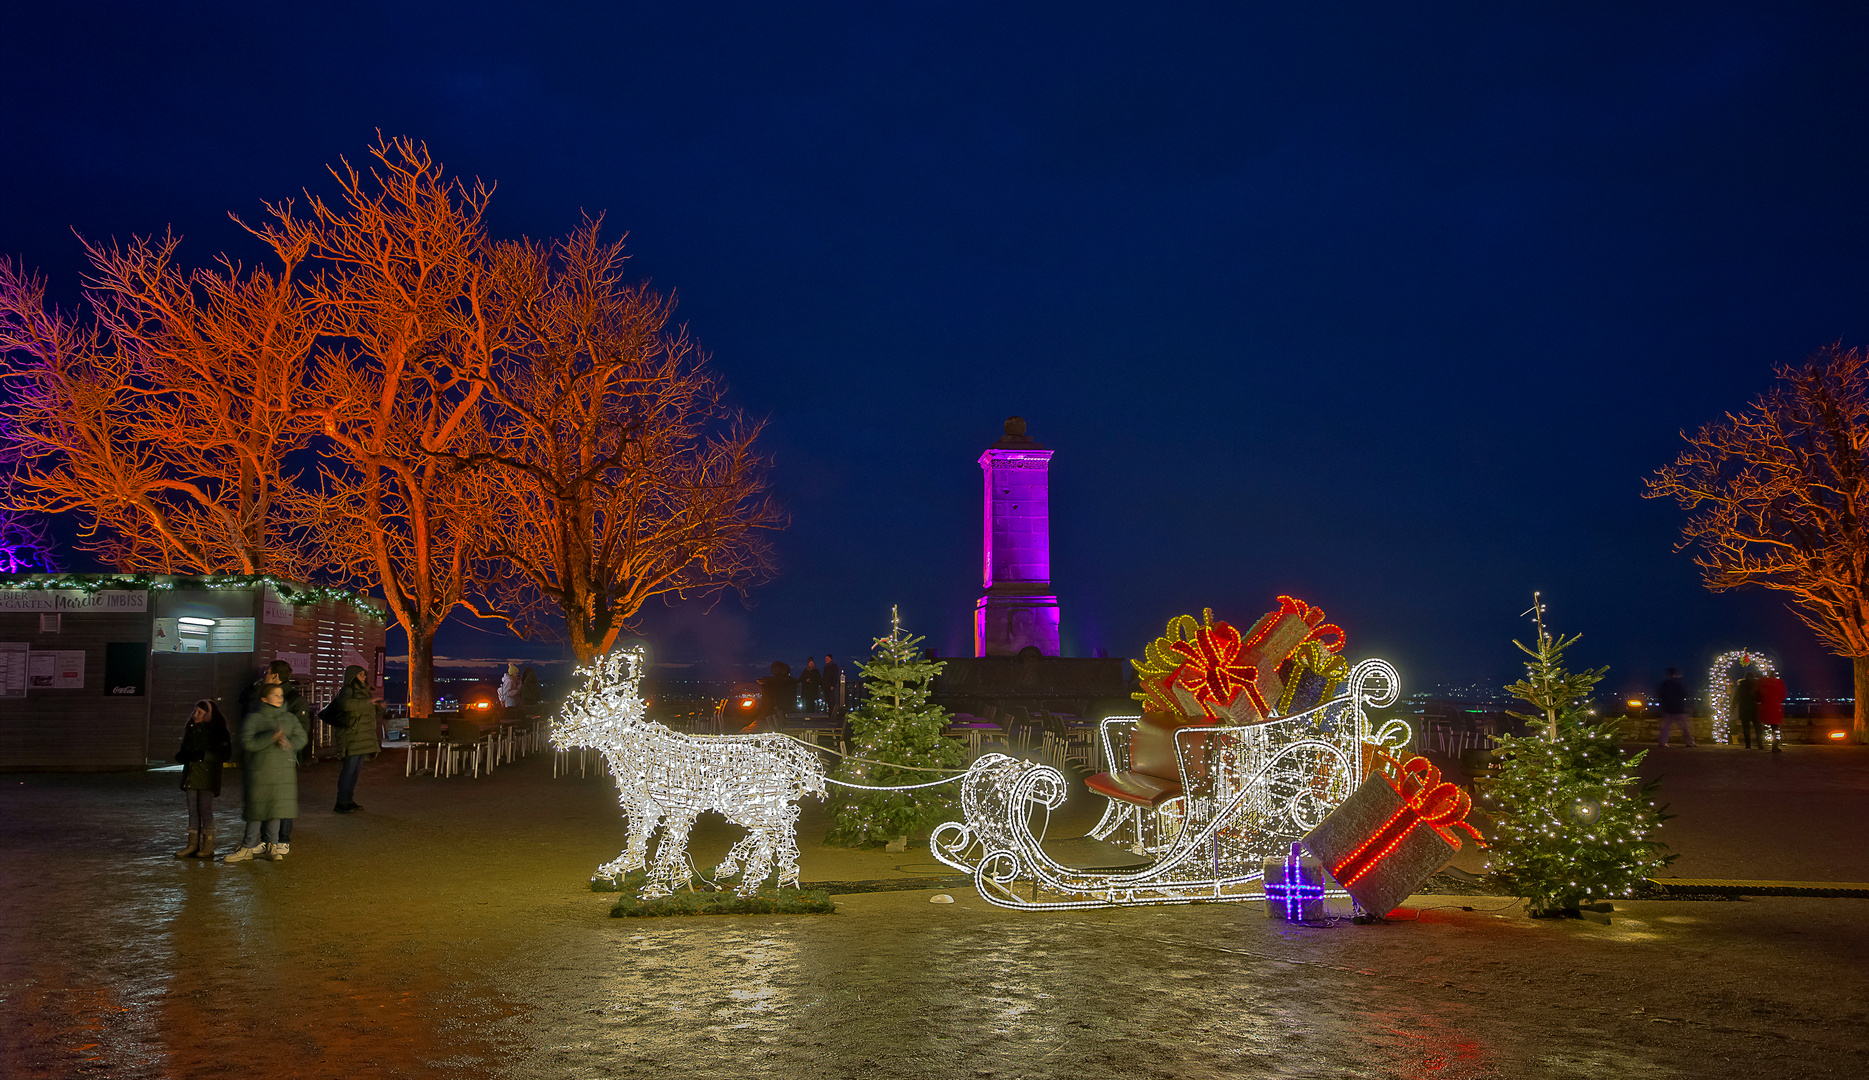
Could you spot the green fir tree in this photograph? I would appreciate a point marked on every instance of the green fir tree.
(895, 726)
(1576, 825)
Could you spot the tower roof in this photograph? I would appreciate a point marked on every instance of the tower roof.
(1015, 437)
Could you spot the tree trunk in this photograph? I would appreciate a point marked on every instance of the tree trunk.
(421, 673)
(1860, 734)
(577, 626)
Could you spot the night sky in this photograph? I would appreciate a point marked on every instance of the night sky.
(1388, 310)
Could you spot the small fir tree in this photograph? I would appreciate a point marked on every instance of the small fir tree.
(895, 726)
(1575, 823)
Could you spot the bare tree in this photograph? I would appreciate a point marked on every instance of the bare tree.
(619, 473)
(167, 421)
(26, 547)
(401, 294)
(1777, 495)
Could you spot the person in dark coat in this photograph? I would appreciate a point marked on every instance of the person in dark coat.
(833, 681)
(358, 719)
(530, 695)
(206, 745)
(1771, 691)
(1746, 710)
(1673, 697)
(269, 780)
(778, 692)
(809, 684)
(280, 673)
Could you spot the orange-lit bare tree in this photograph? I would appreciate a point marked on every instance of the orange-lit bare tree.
(402, 292)
(1777, 496)
(166, 421)
(619, 472)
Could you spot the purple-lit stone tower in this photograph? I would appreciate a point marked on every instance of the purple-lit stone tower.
(1019, 608)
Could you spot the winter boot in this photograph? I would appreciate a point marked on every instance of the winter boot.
(273, 853)
(194, 845)
(282, 850)
(241, 854)
(206, 850)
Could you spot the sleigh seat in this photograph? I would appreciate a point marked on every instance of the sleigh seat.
(1155, 771)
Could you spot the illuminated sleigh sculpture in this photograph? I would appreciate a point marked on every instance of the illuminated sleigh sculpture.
(666, 777)
(1210, 798)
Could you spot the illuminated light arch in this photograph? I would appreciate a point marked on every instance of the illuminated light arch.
(1720, 686)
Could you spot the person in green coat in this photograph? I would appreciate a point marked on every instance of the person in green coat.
(269, 783)
(279, 673)
(206, 745)
(355, 715)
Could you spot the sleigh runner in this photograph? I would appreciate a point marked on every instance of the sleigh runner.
(1210, 797)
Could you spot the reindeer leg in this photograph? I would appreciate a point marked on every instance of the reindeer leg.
(639, 817)
(641, 820)
(737, 857)
(759, 862)
(671, 856)
(785, 835)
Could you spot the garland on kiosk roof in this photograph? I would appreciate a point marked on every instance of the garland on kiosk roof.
(296, 593)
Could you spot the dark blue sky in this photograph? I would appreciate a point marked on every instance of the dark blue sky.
(1389, 310)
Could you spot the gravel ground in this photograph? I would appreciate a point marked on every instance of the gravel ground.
(447, 931)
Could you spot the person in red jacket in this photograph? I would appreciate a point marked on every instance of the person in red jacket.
(1771, 691)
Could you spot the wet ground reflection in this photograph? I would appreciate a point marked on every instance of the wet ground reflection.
(447, 935)
(870, 994)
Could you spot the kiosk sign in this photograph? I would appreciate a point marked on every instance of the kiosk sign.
(77, 601)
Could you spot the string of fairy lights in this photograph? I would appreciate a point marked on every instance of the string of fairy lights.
(296, 593)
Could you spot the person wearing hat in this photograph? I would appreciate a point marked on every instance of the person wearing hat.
(279, 673)
(357, 719)
(509, 691)
(269, 781)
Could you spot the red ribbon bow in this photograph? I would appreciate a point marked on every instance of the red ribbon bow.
(1211, 668)
(1425, 801)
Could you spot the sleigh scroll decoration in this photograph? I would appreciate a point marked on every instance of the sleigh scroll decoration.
(1245, 742)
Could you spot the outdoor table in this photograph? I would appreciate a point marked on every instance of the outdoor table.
(1067, 737)
(509, 735)
(972, 732)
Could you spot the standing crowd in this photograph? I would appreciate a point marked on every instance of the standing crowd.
(273, 743)
(1758, 710)
(818, 690)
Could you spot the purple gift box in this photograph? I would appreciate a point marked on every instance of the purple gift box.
(1294, 888)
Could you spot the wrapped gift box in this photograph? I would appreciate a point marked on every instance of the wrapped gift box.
(1294, 887)
(1392, 834)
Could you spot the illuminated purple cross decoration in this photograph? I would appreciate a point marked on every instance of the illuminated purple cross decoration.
(1294, 891)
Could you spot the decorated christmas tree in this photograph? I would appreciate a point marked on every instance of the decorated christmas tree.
(1575, 823)
(896, 741)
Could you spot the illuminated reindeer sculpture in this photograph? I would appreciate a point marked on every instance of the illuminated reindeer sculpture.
(665, 777)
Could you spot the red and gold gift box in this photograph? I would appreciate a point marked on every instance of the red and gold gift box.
(1393, 834)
